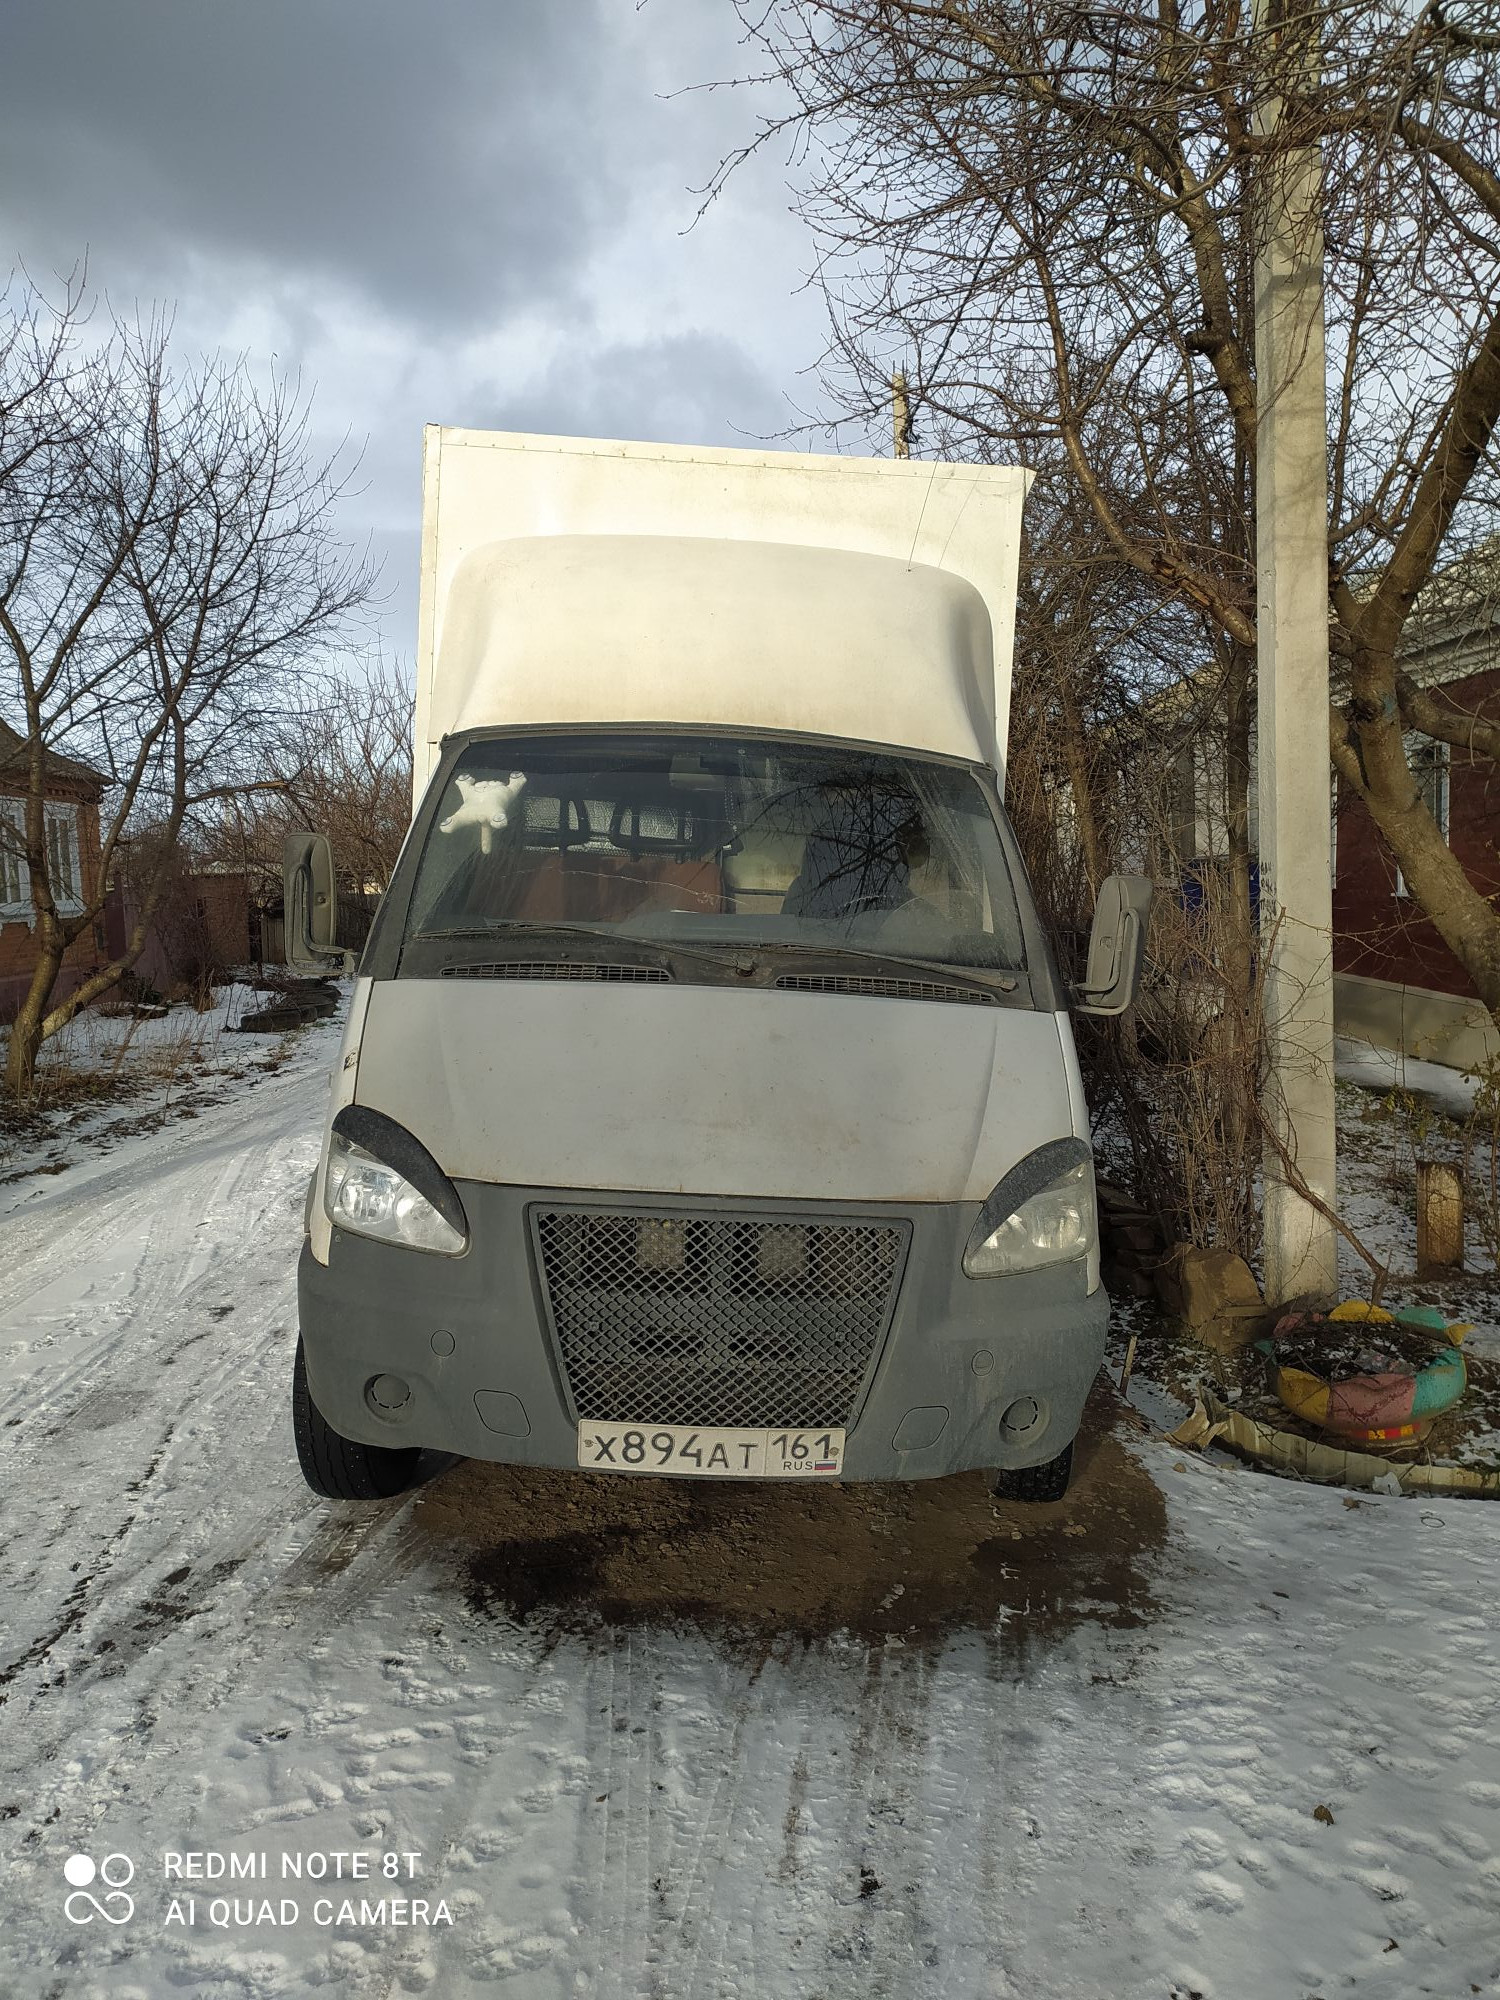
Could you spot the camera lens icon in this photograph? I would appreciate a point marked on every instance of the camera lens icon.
(80, 1872)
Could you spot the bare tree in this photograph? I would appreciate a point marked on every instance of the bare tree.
(1049, 215)
(341, 763)
(354, 777)
(169, 579)
(1107, 735)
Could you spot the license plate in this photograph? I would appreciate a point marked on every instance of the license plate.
(711, 1453)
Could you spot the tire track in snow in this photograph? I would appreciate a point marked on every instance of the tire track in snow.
(693, 1939)
(812, 1868)
(147, 1705)
(98, 1324)
(881, 1940)
(194, 1323)
(140, 1529)
(291, 1097)
(161, 1643)
(622, 1805)
(137, 1224)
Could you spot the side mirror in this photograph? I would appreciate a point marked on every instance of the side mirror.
(311, 902)
(1117, 945)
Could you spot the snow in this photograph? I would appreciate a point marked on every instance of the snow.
(1450, 1090)
(1079, 1797)
(100, 1037)
(140, 1071)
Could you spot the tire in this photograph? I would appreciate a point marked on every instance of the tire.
(337, 1467)
(1048, 1481)
(276, 1020)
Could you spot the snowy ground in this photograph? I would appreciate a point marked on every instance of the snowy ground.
(1080, 1753)
(1391, 1114)
(107, 1078)
(1449, 1090)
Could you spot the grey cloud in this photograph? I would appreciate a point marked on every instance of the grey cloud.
(683, 388)
(686, 388)
(385, 195)
(443, 161)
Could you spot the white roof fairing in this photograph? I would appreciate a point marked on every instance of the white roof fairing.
(582, 580)
(577, 629)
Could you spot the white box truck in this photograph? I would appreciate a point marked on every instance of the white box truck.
(708, 1104)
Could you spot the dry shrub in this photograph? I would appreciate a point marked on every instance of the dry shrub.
(1175, 1086)
(1179, 1083)
(1482, 1160)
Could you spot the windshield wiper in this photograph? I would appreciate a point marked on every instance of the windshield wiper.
(983, 978)
(512, 927)
(515, 930)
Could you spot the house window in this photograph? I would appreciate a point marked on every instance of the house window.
(1429, 766)
(62, 857)
(15, 877)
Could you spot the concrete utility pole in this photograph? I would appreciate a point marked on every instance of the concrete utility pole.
(1291, 558)
(901, 414)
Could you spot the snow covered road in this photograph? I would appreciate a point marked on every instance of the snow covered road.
(650, 1742)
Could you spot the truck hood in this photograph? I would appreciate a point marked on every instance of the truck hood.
(707, 1090)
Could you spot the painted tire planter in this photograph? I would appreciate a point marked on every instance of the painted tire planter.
(1351, 1372)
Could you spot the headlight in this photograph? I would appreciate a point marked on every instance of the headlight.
(1023, 1227)
(363, 1194)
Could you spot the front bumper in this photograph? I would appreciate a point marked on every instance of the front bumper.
(469, 1337)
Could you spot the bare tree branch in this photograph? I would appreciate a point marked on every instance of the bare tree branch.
(170, 580)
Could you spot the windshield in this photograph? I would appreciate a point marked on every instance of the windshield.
(719, 842)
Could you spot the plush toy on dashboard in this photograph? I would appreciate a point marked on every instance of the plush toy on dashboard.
(485, 803)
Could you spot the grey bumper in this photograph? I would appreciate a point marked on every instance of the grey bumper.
(470, 1338)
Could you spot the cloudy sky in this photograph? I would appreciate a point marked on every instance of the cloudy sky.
(457, 211)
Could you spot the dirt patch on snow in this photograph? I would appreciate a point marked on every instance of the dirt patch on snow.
(929, 1558)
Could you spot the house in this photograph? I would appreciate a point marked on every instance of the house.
(73, 792)
(207, 919)
(1396, 984)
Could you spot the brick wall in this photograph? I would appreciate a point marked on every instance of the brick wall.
(18, 944)
(202, 919)
(225, 906)
(1380, 935)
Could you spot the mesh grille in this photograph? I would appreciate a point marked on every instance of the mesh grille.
(546, 968)
(708, 1319)
(890, 989)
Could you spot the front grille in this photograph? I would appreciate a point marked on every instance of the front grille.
(684, 1318)
(556, 968)
(886, 989)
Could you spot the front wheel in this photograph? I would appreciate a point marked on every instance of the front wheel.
(1048, 1481)
(340, 1468)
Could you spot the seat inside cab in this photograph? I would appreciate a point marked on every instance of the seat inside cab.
(764, 860)
(582, 860)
